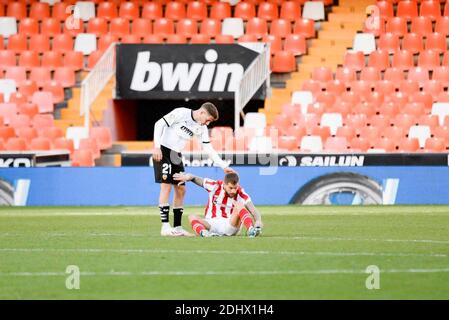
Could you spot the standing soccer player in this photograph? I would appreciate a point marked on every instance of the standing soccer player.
(171, 133)
(228, 207)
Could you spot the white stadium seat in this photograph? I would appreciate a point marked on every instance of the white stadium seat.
(84, 10)
(421, 133)
(313, 10)
(302, 98)
(364, 42)
(441, 109)
(233, 27)
(76, 134)
(8, 26)
(311, 143)
(261, 145)
(86, 43)
(257, 121)
(331, 120)
(7, 87)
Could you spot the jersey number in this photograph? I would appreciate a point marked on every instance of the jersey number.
(166, 168)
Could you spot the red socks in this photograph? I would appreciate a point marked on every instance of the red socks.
(246, 219)
(197, 226)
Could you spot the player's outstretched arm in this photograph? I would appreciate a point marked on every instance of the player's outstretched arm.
(255, 213)
(185, 177)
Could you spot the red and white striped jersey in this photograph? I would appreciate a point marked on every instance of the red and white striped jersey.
(219, 203)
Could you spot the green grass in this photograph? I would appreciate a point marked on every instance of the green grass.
(304, 253)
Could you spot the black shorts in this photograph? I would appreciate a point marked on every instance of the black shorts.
(170, 164)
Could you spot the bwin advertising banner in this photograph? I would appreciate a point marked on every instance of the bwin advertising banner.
(181, 71)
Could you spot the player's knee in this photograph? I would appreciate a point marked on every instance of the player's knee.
(180, 191)
(238, 206)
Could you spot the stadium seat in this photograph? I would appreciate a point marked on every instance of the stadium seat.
(394, 133)
(39, 43)
(408, 145)
(119, 27)
(442, 132)
(131, 38)
(197, 10)
(385, 87)
(164, 27)
(384, 143)
(187, 27)
(305, 27)
(346, 132)
(84, 10)
(27, 133)
(345, 74)
(28, 88)
(83, 158)
(28, 26)
(442, 25)
(200, 39)
(402, 59)
(331, 120)
(29, 109)
(220, 10)
(256, 121)
(40, 143)
(424, 98)
(40, 11)
(51, 59)
(421, 26)
(419, 75)
(8, 26)
(97, 26)
(73, 60)
(414, 108)
(441, 74)
(312, 86)
(29, 59)
(62, 43)
(7, 133)
(322, 74)
(129, 10)
(404, 120)
(429, 59)
(141, 27)
(290, 10)
(354, 60)
(313, 10)
(257, 27)
(244, 10)
(296, 44)
(431, 9)
(76, 134)
(51, 133)
(287, 143)
(65, 76)
(63, 144)
(370, 74)
(274, 41)
(153, 38)
(210, 27)
(106, 40)
(413, 42)
(41, 121)
(397, 26)
(364, 42)
(360, 143)
(16, 144)
(421, 133)
(385, 9)
(175, 10)
(7, 88)
(17, 9)
(356, 121)
(233, 27)
(17, 43)
(51, 27)
(152, 10)
(176, 39)
(379, 121)
(302, 98)
(433, 87)
(428, 120)
(61, 11)
(436, 42)
(44, 101)
(86, 43)
(336, 144)
(388, 42)
(435, 145)
(281, 27)
(108, 10)
(407, 9)
(247, 38)
(18, 74)
(268, 11)
(441, 109)
(311, 144)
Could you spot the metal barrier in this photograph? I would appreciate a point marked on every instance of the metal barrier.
(255, 75)
(95, 82)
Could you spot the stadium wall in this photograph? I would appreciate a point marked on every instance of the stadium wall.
(103, 186)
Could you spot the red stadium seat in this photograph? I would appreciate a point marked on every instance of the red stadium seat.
(267, 11)
(176, 39)
(105, 41)
(441, 74)
(257, 26)
(345, 74)
(436, 41)
(164, 27)
(65, 76)
(28, 26)
(28, 87)
(142, 27)
(397, 26)
(16, 144)
(385, 9)
(40, 75)
(107, 10)
(94, 57)
(407, 9)
(379, 59)
(244, 10)
(429, 59)
(388, 42)
(60, 11)
(39, 43)
(51, 133)
(119, 27)
(40, 11)
(431, 9)
(414, 108)
(129, 10)
(197, 10)
(370, 74)
(74, 60)
(290, 10)
(175, 10)
(385, 143)
(224, 38)
(40, 144)
(41, 121)
(394, 74)
(83, 158)
(404, 121)
(98, 26)
(44, 101)
(360, 143)
(296, 44)
(51, 59)
(442, 25)
(131, 38)
(56, 91)
(275, 42)
(354, 60)
(356, 121)
(26, 133)
(413, 42)
(29, 109)
(336, 87)
(17, 10)
(103, 137)
(283, 61)
(402, 59)
(20, 121)
(281, 27)
(17, 42)
(435, 145)
(433, 87)
(187, 27)
(64, 144)
(394, 133)
(385, 87)
(211, 27)
(346, 132)
(92, 145)
(428, 120)
(322, 74)
(408, 145)
(247, 38)
(152, 10)
(220, 10)
(51, 27)
(421, 26)
(305, 27)
(18, 74)
(422, 97)
(29, 59)
(419, 75)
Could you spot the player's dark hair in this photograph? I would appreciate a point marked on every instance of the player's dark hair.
(232, 178)
(211, 109)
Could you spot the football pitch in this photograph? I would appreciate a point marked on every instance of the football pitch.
(303, 253)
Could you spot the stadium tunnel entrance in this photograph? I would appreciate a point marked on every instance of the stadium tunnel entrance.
(133, 120)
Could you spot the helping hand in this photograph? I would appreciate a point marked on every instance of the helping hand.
(229, 170)
(157, 154)
(182, 177)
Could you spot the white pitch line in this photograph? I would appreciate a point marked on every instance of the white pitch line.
(359, 239)
(220, 273)
(229, 252)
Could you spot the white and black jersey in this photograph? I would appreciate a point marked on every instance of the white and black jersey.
(181, 127)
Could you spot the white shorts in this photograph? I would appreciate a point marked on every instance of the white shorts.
(222, 226)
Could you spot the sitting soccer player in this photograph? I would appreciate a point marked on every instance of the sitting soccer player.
(228, 207)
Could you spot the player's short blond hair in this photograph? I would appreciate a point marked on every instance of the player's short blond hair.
(211, 109)
(232, 178)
